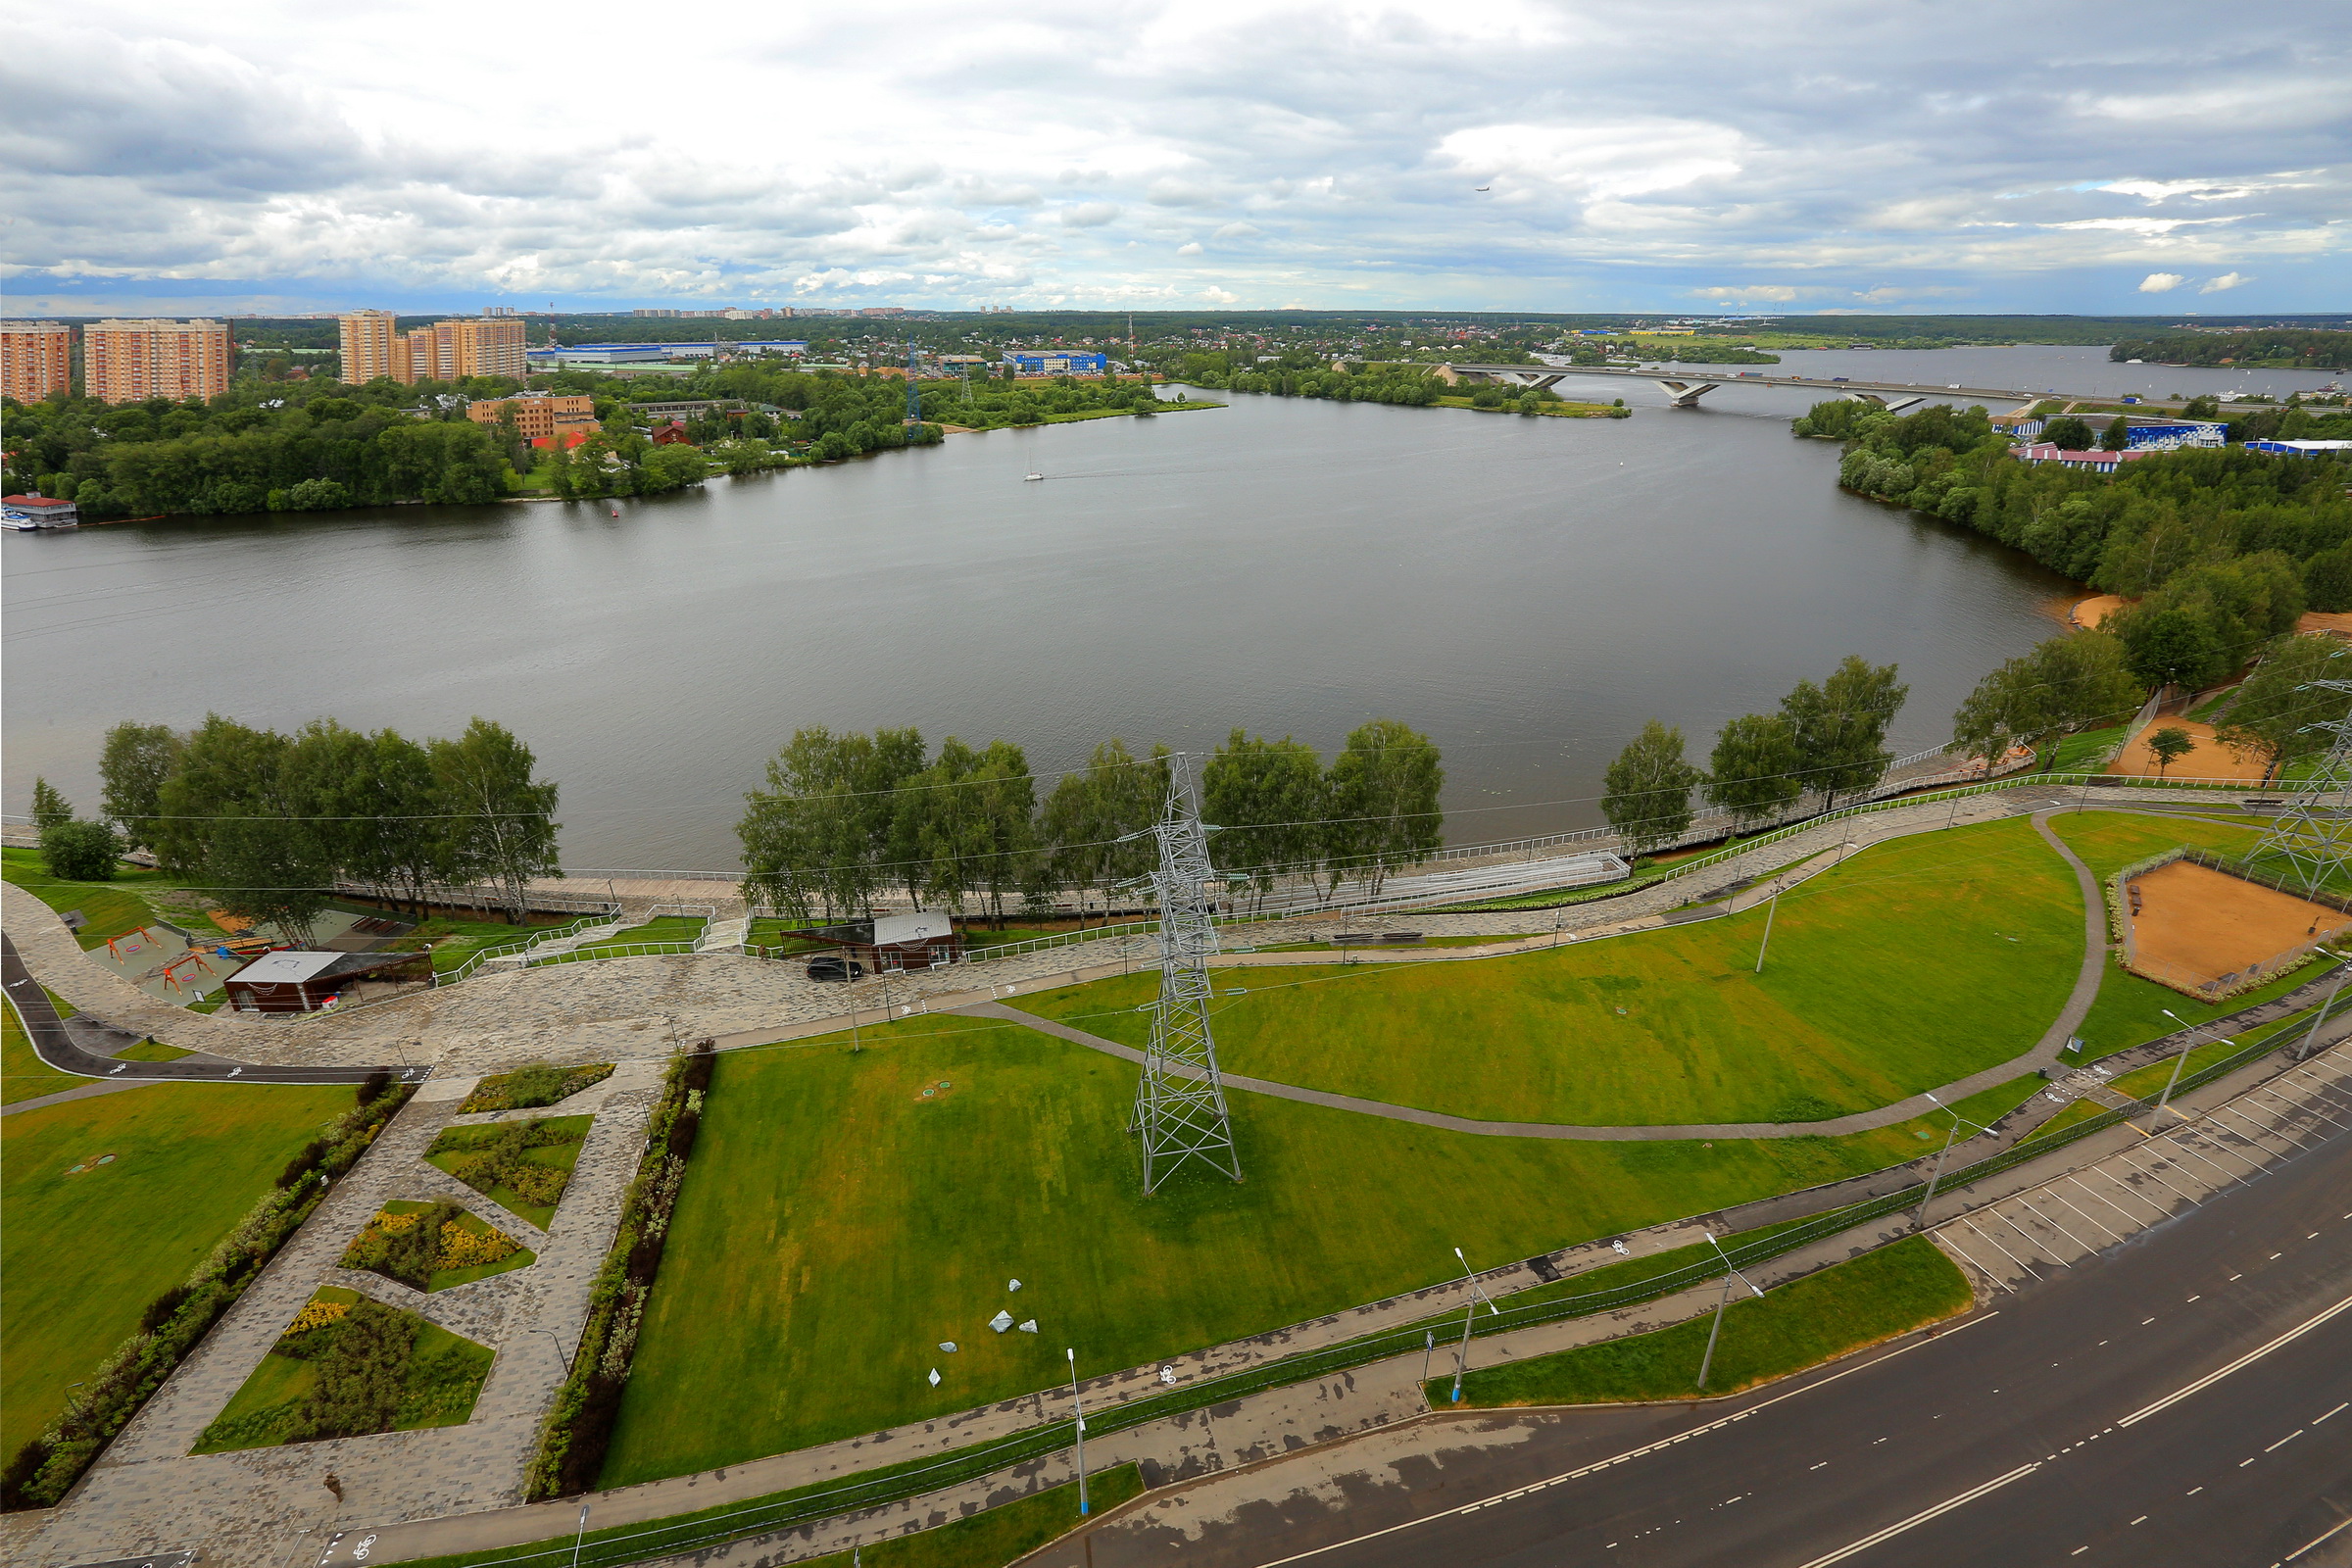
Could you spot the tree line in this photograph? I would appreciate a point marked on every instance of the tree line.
(266, 822)
(846, 819)
(2279, 347)
(2220, 549)
(1827, 739)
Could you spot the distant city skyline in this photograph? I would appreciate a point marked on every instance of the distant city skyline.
(1692, 156)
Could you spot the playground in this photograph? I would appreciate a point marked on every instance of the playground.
(2192, 923)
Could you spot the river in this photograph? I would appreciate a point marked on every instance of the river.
(1527, 591)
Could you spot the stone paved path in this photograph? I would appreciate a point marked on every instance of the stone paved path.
(147, 1493)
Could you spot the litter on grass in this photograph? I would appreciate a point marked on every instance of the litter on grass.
(1000, 1322)
(935, 1377)
(1029, 1327)
(947, 1345)
(1014, 1286)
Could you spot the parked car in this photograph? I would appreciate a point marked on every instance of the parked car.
(1841, 378)
(832, 967)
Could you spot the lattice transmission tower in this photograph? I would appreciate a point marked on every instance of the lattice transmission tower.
(1180, 1102)
(2313, 835)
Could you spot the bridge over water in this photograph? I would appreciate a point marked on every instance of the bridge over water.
(1685, 388)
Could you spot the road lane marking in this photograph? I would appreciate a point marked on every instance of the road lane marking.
(2145, 1321)
(2141, 1520)
(2193, 1298)
(1924, 1515)
(2247, 1359)
(1581, 1471)
(2316, 1540)
(2283, 1442)
(2331, 1412)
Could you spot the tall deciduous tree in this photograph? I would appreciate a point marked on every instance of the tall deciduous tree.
(1647, 791)
(2071, 682)
(1381, 797)
(1841, 726)
(1091, 816)
(1267, 799)
(131, 769)
(1753, 772)
(503, 818)
(2272, 715)
(810, 838)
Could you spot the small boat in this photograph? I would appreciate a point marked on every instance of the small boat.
(1026, 477)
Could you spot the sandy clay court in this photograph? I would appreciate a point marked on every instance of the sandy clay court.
(2210, 759)
(2198, 922)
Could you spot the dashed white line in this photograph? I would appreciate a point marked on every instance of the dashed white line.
(2145, 1321)
(2255, 1354)
(2337, 1410)
(2283, 1442)
(1923, 1516)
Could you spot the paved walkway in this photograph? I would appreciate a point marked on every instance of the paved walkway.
(148, 1493)
(2269, 1111)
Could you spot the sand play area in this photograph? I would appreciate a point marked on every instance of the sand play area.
(2200, 922)
(2211, 759)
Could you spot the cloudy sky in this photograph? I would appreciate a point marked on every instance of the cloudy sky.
(1574, 155)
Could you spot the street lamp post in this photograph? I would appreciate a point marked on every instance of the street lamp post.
(1708, 1362)
(1920, 1214)
(2182, 1061)
(1462, 1359)
(2304, 1049)
(579, 1537)
(1079, 1406)
(1772, 910)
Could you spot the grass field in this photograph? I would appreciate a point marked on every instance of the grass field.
(1914, 963)
(23, 1074)
(1802, 1324)
(2128, 1010)
(850, 1224)
(81, 1257)
(115, 909)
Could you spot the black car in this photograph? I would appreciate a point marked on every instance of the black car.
(834, 968)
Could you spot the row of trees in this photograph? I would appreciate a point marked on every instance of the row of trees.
(1827, 739)
(846, 817)
(266, 822)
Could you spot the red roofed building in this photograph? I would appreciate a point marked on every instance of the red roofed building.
(672, 434)
(2097, 461)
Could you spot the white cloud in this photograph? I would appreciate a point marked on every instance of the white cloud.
(2227, 281)
(2160, 283)
(1863, 155)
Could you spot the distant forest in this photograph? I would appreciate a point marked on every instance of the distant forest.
(2267, 348)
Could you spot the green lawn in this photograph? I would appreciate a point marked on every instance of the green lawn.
(115, 909)
(81, 1255)
(1802, 1324)
(849, 1224)
(23, 1074)
(2129, 1010)
(1913, 964)
(662, 928)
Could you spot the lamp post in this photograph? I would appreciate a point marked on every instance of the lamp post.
(580, 1536)
(1920, 1214)
(2304, 1049)
(1708, 1362)
(1771, 910)
(1079, 1406)
(2182, 1061)
(1461, 1359)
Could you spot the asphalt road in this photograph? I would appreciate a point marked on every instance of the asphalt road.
(53, 1042)
(2183, 1399)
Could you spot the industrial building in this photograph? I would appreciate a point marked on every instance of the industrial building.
(601, 356)
(1054, 361)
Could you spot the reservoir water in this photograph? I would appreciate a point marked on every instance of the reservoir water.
(1528, 591)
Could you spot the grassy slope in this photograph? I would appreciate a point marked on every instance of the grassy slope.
(1000, 1535)
(1812, 1320)
(2128, 1008)
(115, 909)
(847, 1223)
(23, 1075)
(81, 1257)
(1893, 973)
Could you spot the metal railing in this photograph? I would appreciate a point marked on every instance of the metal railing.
(481, 956)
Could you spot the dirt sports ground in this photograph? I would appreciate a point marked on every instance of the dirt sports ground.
(2197, 921)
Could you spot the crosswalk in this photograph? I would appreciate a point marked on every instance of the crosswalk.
(2034, 1234)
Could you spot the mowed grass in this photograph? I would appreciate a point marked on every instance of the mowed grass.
(1912, 964)
(23, 1075)
(1804, 1323)
(2130, 1009)
(115, 909)
(81, 1257)
(836, 1225)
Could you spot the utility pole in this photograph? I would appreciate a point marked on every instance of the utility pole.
(1708, 1362)
(1080, 1407)
(2182, 1061)
(1461, 1359)
(1180, 1100)
(2304, 1049)
(1772, 909)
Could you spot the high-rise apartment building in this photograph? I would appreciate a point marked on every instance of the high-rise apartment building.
(447, 351)
(129, 361)
(36, 358)
(367, 342)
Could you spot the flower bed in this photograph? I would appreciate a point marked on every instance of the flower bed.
(523, 1166)
(538, 1084)
(44, 1469)
(347, 1367)
(431, 1246)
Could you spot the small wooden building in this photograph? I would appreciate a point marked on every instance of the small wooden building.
(922, 940)
(295, 981)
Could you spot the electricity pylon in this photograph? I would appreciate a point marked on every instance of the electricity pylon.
(915, 396)
(1180, 1101)
(2313, 835)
